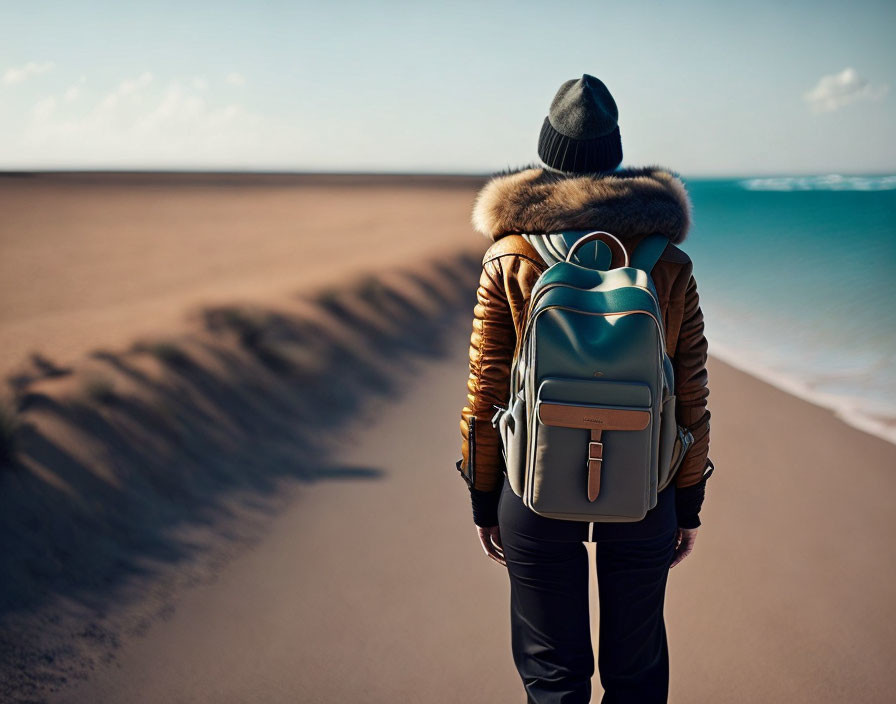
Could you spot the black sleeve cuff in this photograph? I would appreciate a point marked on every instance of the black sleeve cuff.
(689, 501)
(687, 505)
(485, 507)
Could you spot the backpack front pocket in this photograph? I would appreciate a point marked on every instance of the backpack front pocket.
(591, 450)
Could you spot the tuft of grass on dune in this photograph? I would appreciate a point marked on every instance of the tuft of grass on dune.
(98, 387)
(249, 325)
(9, 427)
(329, 295)
(262, 333)
(165, 351)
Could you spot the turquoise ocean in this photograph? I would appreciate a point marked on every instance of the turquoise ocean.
(796, 282)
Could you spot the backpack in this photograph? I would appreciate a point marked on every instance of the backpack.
(589, 430)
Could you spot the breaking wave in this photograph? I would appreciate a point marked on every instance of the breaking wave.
(829, 182)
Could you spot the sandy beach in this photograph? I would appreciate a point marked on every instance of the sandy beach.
(207, 517)
(92, 261)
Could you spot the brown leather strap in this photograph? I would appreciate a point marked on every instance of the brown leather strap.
(595, 460)
(569, 415)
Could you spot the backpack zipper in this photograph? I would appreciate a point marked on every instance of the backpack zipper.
(555, 284)
(471, 441)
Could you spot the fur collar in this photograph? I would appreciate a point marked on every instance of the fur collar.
(627, 202)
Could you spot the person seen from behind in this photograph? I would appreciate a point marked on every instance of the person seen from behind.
(580, 185)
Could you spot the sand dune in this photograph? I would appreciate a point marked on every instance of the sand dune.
(131, 465)
(96, 261)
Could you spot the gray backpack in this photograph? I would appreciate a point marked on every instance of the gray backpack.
(589, 430)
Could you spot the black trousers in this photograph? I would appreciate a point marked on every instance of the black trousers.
(549, 613)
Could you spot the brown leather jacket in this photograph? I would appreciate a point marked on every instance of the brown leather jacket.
(629, 203)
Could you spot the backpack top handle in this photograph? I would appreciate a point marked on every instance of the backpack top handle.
(617, 249)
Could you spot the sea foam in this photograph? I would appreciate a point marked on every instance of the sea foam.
(875, 419)
(829, 182)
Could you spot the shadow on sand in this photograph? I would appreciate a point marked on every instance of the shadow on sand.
(120, 458)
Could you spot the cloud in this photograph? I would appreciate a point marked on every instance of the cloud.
(236, 79)
(44, 109)
(142, 120)
(834, 91)
(18, 74)
(129, 90)
(74, 90)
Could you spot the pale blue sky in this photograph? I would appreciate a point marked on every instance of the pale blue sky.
(703, 87)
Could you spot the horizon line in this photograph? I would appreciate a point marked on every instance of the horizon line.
(112, 171)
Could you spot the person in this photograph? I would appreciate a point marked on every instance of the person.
(581, 185)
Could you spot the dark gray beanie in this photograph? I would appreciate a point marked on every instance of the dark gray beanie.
(581, 133)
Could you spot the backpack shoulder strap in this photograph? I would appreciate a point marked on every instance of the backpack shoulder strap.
(512, 244)
(648, 252)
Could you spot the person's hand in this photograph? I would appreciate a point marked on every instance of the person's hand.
(684, 544)
(491, 543)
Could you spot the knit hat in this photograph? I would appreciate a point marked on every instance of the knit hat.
(580, 133)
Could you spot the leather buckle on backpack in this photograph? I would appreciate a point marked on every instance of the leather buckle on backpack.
(595, 460)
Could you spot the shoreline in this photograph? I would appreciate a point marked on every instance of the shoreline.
(838, 406)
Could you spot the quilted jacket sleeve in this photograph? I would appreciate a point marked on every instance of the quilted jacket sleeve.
(691, 385)
(492, 344)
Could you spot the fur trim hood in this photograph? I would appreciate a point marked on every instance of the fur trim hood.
(626, 202)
